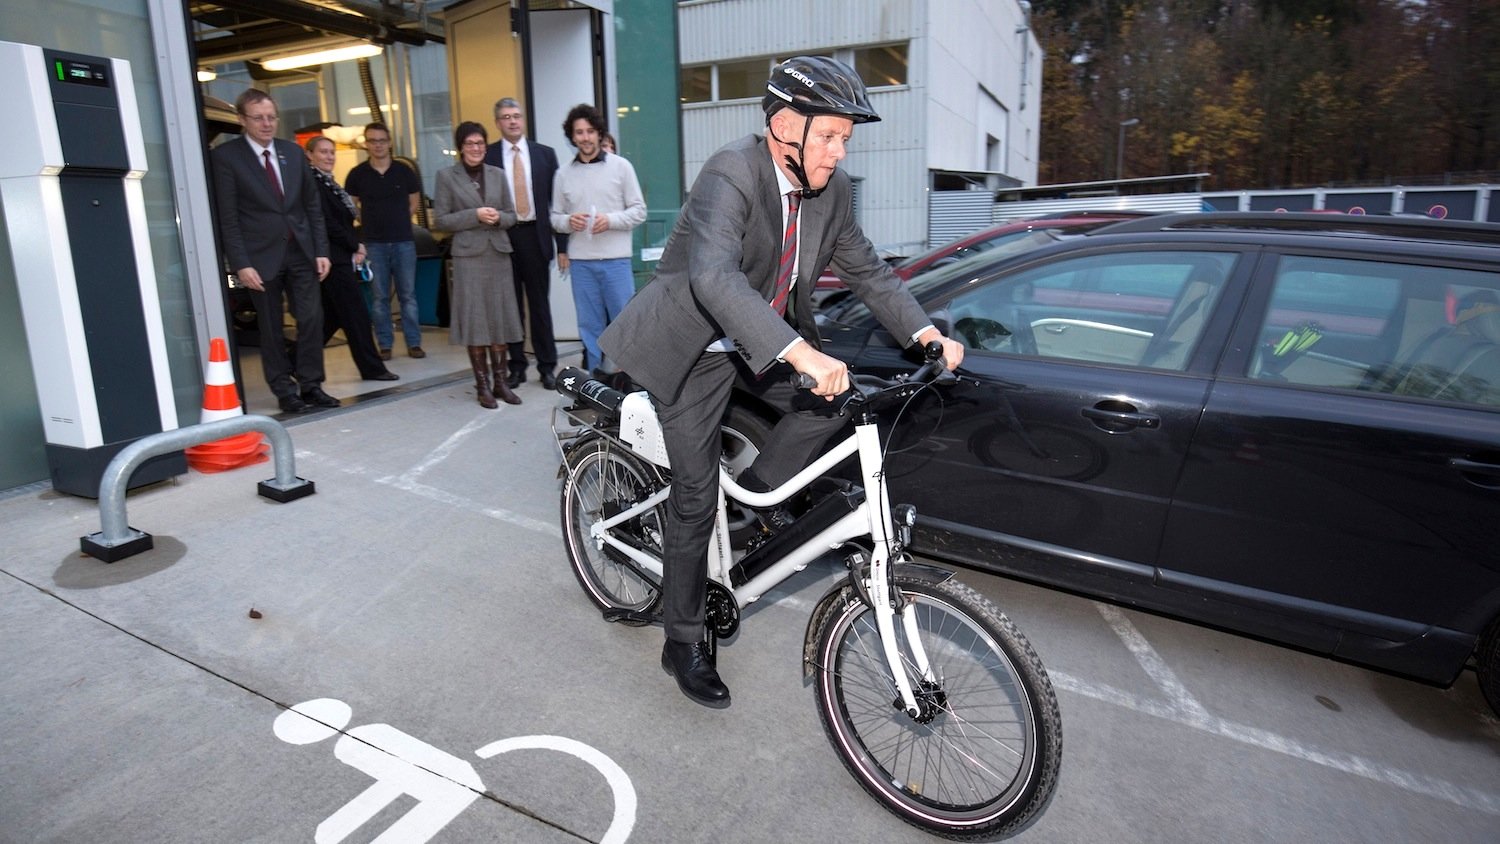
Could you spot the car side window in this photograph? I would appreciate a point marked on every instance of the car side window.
(1383, 327)
(1125, 308)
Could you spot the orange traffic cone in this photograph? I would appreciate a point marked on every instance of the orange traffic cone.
(222, 401)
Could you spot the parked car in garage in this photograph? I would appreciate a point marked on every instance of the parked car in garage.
(1284, 425)
(830, 288)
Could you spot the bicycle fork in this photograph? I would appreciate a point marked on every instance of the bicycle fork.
(882, 598)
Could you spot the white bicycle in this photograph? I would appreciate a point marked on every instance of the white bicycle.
(933, 700)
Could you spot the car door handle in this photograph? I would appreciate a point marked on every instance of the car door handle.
(1478, 473)
(1114, 417)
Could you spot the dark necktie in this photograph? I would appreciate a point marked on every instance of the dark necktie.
(271, 175)
(788, 256)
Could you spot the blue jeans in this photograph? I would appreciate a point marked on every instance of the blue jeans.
(396, 261)
(600, 291)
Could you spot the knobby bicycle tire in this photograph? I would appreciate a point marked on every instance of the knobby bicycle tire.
(985, 764)
(604, 479)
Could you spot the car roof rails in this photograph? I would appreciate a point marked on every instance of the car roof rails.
(1409, 228)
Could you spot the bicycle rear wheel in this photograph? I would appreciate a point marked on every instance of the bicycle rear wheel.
(982, 758)
(604, 480)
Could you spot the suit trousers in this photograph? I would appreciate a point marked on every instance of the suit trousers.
(344, 307)
(691, 430)
(297, 282)
(534, 297)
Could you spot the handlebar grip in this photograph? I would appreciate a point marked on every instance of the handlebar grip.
(803, 381)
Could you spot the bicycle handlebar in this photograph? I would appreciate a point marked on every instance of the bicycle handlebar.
(865, 388)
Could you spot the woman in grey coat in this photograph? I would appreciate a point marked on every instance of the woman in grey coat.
(472, 203)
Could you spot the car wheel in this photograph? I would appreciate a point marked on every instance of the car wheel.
(1488, 659)
(744, 433)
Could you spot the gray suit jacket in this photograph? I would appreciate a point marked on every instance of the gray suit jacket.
(453, 205)
(717, 274)
(253, 223)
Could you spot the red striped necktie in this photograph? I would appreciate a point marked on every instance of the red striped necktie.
(788, 256)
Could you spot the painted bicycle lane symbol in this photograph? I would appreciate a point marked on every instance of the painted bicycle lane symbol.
(443, 785)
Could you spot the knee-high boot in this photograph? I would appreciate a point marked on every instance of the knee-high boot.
(480, 362)
(499, 373)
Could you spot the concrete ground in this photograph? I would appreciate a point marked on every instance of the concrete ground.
(421, 602)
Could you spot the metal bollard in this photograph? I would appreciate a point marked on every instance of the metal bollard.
(116, 540)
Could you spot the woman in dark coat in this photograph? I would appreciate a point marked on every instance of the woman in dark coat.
(343, 304)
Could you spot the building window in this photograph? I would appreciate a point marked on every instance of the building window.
(881, 66)
(697, 84)
(739, 80)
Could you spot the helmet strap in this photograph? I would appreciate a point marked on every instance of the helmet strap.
(793, 164)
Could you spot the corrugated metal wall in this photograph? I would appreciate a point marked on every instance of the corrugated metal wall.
(955, 213)
(1166, 202)
(719, 30)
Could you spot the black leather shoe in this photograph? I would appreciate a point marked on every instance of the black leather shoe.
(695, 673)
(384, 376)
(549, 381)
(516, 378)
(293, 404)
(317, 398)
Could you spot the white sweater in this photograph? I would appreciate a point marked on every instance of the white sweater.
(606, 186)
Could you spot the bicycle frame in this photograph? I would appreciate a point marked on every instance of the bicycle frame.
(871, 518)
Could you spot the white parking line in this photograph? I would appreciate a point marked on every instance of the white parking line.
(1165, 678)
(1182, 708)
(409, 481)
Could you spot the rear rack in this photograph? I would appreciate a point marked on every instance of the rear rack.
(1406, 228)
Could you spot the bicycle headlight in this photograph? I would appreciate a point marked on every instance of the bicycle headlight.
(905, 518)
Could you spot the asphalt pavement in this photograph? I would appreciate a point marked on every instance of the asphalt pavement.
(461, 688)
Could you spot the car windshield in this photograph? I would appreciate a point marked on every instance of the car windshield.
(852, 310)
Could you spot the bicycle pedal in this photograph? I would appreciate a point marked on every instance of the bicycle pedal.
(633, 618)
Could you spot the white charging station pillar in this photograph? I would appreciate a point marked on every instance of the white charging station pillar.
(70, 181)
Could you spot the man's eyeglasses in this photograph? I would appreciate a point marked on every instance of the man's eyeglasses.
(369, 141)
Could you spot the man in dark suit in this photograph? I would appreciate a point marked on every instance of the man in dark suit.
(732, 297)
(271, 225)
(530, 187)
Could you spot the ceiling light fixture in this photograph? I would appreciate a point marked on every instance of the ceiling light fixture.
(205, 75)
(337, 54)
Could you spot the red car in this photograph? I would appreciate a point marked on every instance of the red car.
(831, 288)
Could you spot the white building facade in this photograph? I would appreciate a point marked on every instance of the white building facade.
(957, 84)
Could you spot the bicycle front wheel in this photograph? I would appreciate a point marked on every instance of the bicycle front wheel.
(981, 759)
(604, 481)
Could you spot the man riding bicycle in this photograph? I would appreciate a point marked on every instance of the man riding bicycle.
(731, 299)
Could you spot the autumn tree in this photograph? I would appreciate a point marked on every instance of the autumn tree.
(1270, 93)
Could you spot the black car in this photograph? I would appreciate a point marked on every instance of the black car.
(1285, 425)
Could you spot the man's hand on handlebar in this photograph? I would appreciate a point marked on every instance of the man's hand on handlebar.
(831, 373)
(953, 351)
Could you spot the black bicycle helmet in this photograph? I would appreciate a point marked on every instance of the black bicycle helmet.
(818, 85)
(814, 85)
